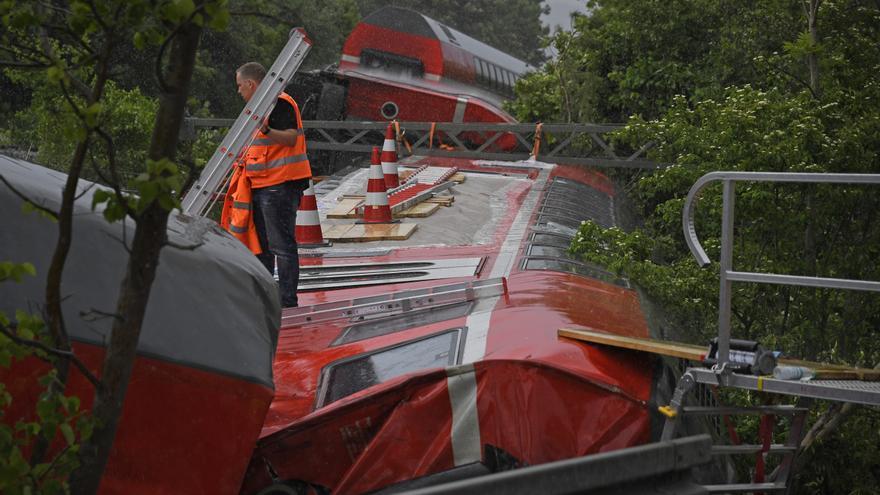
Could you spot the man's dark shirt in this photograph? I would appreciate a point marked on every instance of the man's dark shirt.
(282, 116)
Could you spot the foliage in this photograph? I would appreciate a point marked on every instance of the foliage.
(125, 114)
(731, 86)
(630, 58)
(58, 417)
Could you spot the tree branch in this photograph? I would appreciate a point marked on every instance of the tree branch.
(96, 314)
(68, 355)
(53, 214)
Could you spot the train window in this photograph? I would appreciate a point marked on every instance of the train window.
(576, 267)
(377, 59)
(552, 225)
(572, 195)
(350, 375)
(564, 212)
(551, 239)
(385, 326)
(553, 251)
(480, 66)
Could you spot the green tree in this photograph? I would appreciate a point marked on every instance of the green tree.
(73, 46)
(20, 339)
(782, 85)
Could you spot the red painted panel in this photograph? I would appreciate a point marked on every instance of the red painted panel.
(182, 430)
(391, 41)
(364, 441)
(540, 413)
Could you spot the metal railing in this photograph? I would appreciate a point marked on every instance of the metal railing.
(728, 275)
(579, 144)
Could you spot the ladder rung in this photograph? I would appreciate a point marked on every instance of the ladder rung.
(775, 448)
(731, 410)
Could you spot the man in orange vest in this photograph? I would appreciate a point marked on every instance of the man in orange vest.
(260, 208)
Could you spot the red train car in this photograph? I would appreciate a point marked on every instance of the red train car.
(400, 64)
(202, 381)
(417, 361)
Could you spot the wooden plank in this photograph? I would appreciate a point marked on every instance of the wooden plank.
(458, 177)
(421, 210)
(336, 232)
(347, 208)
(822, 371)
(684, 351)
(372, 232)
(441, 200)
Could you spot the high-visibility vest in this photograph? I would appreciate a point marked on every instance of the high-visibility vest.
(236, 215)
(268, 163)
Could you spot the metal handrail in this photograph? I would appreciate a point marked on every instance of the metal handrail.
(727, 274)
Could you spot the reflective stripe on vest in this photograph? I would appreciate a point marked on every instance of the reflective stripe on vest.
(280, 162)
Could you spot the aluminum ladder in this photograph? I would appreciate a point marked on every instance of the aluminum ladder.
(202, 195)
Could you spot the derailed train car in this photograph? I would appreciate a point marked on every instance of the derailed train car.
(202, 381)
(400, 64)
(398, 372)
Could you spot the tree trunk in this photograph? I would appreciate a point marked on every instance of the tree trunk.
(149, 238)
(813, 58)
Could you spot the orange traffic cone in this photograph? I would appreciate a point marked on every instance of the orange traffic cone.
(308, 226)
(389, 159)
(376, 209)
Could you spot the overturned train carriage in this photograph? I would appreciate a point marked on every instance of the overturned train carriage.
(398, 372)
(202, 381)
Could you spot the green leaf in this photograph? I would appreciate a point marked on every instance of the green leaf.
(67, 432)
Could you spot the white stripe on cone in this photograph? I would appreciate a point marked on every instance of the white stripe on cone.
(389, 159)
(377, 199)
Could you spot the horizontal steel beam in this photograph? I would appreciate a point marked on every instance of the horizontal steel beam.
(471, 140)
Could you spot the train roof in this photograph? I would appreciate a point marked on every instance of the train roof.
(240, 292)
(412, 22)
(455, 325)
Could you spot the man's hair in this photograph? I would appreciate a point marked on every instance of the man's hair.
(253, 71)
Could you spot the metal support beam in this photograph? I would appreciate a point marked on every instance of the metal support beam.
(579, 144)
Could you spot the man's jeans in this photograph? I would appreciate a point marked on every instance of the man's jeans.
(274, 210)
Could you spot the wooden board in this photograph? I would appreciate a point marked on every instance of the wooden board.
(822, 371)
(370, 232)
(421, 210)
(458, 177)
(441, 200)
(674, 349)
(347, 208)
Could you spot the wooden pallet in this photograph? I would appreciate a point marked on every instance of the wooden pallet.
(821, 371)
(370, 232)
